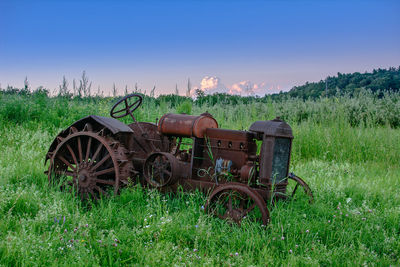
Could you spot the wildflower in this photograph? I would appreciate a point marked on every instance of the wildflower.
(196, 226)
(65, 231)
(290, 251)
(195, 250)
(363, 219)
(338, 207)
(100, 241)
(236, 254)
(202, 207)
(297, 246)
(75, 229)
(115, 244)
(334, 216)
(56, 220)
(307, 231)
(347, 215)
(283, 238)
(273, 238)
(63, 219)
(116, 240)
(329, 221)
(71, 241)
(86, 225)
(369, 211)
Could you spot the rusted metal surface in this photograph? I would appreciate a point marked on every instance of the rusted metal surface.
(236, 202)
(112, 125)
(162, 169)
(89, 163)
(186, 125)
(275, 128)
(276, 136)
(182, 151)
(300, 183)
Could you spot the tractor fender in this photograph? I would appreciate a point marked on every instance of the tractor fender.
(97, 123)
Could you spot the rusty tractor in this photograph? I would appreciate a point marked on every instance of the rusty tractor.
(240, 171)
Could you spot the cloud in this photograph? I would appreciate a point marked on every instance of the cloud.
(209, 85)
(213, 84)
(247, 88)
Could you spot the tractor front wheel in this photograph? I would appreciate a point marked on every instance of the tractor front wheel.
(237, 203)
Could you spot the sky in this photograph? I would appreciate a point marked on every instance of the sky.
(238, 47)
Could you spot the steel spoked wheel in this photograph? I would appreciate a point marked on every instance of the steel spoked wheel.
(237, 203)
(297, 187)
(88, 163)
(159, 170)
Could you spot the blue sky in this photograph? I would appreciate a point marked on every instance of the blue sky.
(271, 45)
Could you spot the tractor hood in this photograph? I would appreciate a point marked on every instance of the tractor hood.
(275, 127)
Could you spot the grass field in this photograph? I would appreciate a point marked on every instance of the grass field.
(348, 151)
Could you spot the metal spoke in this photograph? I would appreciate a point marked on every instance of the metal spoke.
(88, 149)
(295, 189)
(130, 106)
(98, 164)
(101, 181)
(167, 173)
(119, 111)
(96, 153)
(162, 176)
(66, 162)
(68, 173)
(93, 194)
(249, 209)
(230, 203)
(80, 149)
(72, 154)
(104, 171)
(242, 203)
(100, 190)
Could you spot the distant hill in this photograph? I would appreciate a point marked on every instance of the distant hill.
(377, 81)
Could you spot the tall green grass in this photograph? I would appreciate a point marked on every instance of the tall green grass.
(352, 168)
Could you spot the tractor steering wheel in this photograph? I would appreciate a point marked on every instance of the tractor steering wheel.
(128, 108)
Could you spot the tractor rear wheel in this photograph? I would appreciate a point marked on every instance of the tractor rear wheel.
(89, 163)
